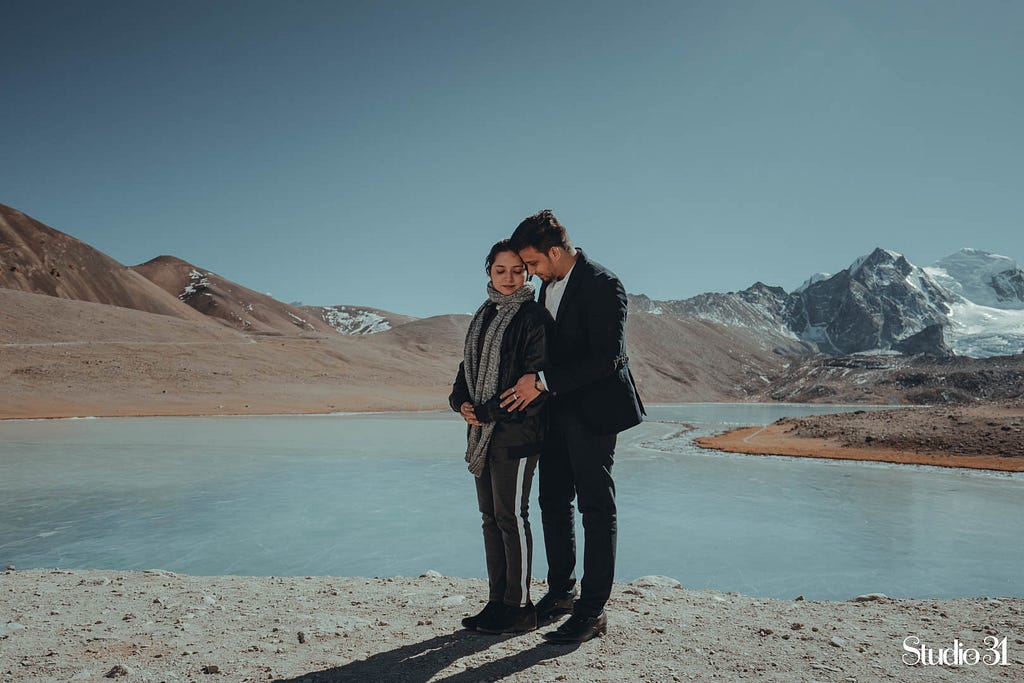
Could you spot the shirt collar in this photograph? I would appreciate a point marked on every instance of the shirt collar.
(565, 278)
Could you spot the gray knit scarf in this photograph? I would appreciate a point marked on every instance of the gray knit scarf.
(481, 362)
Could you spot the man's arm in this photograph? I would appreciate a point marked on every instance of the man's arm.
(535, 358)
(606, 330)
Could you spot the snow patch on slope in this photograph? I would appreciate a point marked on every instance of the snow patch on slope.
(971, 273)
(983, 331)
(351, 320)
(197, 282)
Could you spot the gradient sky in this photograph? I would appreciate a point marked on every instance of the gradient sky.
(371, 152)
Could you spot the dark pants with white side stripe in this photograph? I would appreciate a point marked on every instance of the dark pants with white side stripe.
(503, 494)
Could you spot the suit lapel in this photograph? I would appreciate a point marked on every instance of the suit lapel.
(579, 273)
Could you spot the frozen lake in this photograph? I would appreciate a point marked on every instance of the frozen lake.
(389, 494)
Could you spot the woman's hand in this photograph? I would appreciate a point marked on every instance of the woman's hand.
(469, 415)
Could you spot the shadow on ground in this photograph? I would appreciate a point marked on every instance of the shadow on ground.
(420, 662)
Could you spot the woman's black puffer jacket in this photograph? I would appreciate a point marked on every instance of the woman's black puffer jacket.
(524, 349)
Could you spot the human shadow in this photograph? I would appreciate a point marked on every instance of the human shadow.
(420, 662)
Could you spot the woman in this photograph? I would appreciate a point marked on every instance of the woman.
(506, 339)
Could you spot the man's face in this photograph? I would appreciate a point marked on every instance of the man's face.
(539, 263)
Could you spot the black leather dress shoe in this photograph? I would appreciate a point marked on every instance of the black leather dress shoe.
(555, 604)
(578, 629)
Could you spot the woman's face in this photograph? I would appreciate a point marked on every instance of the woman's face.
(507, 272)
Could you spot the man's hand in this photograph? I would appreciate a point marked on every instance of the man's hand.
(469, 415)
(521, 395)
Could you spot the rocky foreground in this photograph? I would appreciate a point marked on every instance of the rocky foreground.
(160, 626)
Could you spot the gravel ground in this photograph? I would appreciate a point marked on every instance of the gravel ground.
(159, 626)
(984, 429)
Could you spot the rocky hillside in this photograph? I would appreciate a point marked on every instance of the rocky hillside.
(896, 379)
(36, 258)
(228, 302)
(757, 344)
(968, 304)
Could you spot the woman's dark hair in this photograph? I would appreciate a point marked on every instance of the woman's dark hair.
(503, 245)
(540, 231)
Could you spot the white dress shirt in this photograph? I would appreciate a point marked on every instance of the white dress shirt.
(552, 300)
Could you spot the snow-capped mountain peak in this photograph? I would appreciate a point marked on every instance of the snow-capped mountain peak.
(981, 277)
(817, 277)
(879, 258)
(878, 302)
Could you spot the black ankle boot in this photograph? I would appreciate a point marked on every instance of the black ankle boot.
(510, 620)
(487, 613)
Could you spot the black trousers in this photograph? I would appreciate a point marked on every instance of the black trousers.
(576, 462)
(503, 495)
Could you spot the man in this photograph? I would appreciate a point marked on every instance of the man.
(593, 397)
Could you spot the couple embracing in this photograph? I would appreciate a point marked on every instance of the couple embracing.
(546, 383)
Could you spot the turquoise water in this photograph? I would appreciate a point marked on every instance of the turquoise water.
(388, 494)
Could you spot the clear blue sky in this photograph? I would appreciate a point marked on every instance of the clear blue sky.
(371, 152)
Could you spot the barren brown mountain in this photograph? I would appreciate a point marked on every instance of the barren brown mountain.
(227, 301)
(62, 358)
(36, 258)
(679, 360)
(239, 351)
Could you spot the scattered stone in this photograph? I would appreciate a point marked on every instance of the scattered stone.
(117, 672)
(9, 628)
(158, 572)
(101, 581)
(869, 597)
(645, 644)
(10, 567)
(451, 601)
(655, 581)
(431, 574)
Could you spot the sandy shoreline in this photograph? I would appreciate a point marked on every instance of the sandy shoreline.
(987, 435)
(773, 440)
(159, 626)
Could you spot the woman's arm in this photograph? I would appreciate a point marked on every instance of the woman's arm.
(460, 390)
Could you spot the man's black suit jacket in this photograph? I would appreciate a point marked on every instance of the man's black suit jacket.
(589, 370)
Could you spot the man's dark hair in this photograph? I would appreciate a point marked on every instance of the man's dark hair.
(503, 245)
(541, 231)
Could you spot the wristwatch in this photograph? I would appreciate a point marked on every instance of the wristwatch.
(538, 385)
